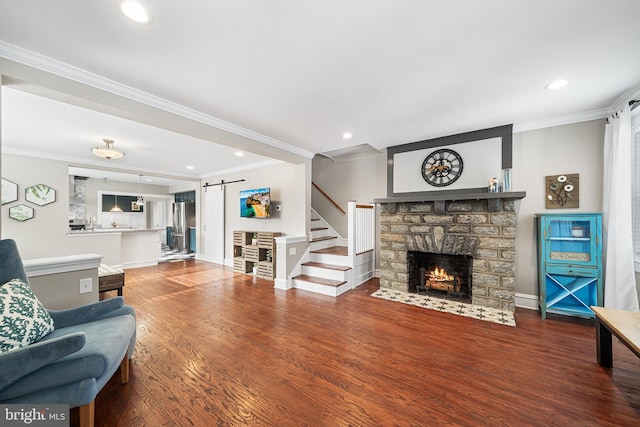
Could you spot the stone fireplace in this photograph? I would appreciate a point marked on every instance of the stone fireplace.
(483, 229)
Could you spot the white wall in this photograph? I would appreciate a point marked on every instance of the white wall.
(42, 236)
(361, 180)
(45, 235)
(288, 183)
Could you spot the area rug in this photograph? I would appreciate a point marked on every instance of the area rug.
(452, 307)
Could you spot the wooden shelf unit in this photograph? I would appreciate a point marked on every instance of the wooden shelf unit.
(255, 249)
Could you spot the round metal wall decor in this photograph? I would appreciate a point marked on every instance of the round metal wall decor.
(442, 167)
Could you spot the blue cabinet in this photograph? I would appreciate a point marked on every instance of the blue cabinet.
(192, 239)
(569, 263)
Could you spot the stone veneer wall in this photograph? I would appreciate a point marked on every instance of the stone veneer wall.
(484, 229)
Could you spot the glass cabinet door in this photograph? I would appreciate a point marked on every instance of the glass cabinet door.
(569, 241)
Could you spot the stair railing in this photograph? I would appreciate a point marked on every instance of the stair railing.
(333, 202)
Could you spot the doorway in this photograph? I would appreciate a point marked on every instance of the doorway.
(213, 226)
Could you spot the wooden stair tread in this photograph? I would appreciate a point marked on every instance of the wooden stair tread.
(319, 228)
(320, 280)
(333, 250)
(320, 239)
(327, 266)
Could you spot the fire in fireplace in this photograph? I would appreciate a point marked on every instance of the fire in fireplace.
(438, 278)
(441, 275)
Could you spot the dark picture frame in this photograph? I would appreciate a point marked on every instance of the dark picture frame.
(505, 133)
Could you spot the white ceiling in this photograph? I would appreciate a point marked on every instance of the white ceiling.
(299, 73)
(38, 126)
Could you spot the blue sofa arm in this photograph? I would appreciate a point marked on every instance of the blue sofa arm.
(17, 363)
(89, 313)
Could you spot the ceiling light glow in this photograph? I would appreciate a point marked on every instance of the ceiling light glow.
(239, 154)
(190, 167)
(557, 84)
(347, 135)
(107, 151)
(134, 11)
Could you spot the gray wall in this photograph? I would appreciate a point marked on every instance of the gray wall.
(60, 291)
(575, 148)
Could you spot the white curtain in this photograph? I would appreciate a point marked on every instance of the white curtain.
(619, 283)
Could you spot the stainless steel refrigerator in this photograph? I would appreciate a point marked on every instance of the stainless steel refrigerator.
(184, 217)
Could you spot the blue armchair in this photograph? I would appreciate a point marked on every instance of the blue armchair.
(71, 364)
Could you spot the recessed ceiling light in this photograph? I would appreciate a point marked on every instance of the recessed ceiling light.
(239, 154)
(190, 167)
(557, 84)
(134, 11)
(149, 180)
(347, 135)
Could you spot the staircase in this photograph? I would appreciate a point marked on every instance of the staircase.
(327, 271)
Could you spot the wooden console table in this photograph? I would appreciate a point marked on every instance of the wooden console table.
(623, 324)
(110, 279)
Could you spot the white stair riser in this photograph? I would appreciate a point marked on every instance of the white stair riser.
(326, 273)
(322, 244)
(332, 291)
(329, 259)
(320, 233)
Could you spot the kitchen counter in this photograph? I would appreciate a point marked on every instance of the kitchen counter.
(112, 230)
(126, 247)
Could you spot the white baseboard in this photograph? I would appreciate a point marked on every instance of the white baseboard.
(140, 264)
(282, 284)
(527, 301)
(214, 260)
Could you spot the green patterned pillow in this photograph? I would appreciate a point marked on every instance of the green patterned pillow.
(24, 318)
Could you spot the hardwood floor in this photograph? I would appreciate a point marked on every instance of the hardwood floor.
(219, 348)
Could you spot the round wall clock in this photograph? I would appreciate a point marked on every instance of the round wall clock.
(442, 167)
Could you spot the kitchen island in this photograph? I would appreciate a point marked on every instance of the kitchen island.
(120, 247)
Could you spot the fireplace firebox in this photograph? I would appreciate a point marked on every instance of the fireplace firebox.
(441, 275)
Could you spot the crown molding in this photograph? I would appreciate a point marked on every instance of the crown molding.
(631, 94)
(50, 65)
(563, 120)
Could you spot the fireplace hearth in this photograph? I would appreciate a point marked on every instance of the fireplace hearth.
(482, 231)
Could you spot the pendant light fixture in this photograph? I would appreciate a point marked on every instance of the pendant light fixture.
(115, 207)
(107, 152)
(140, 200)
